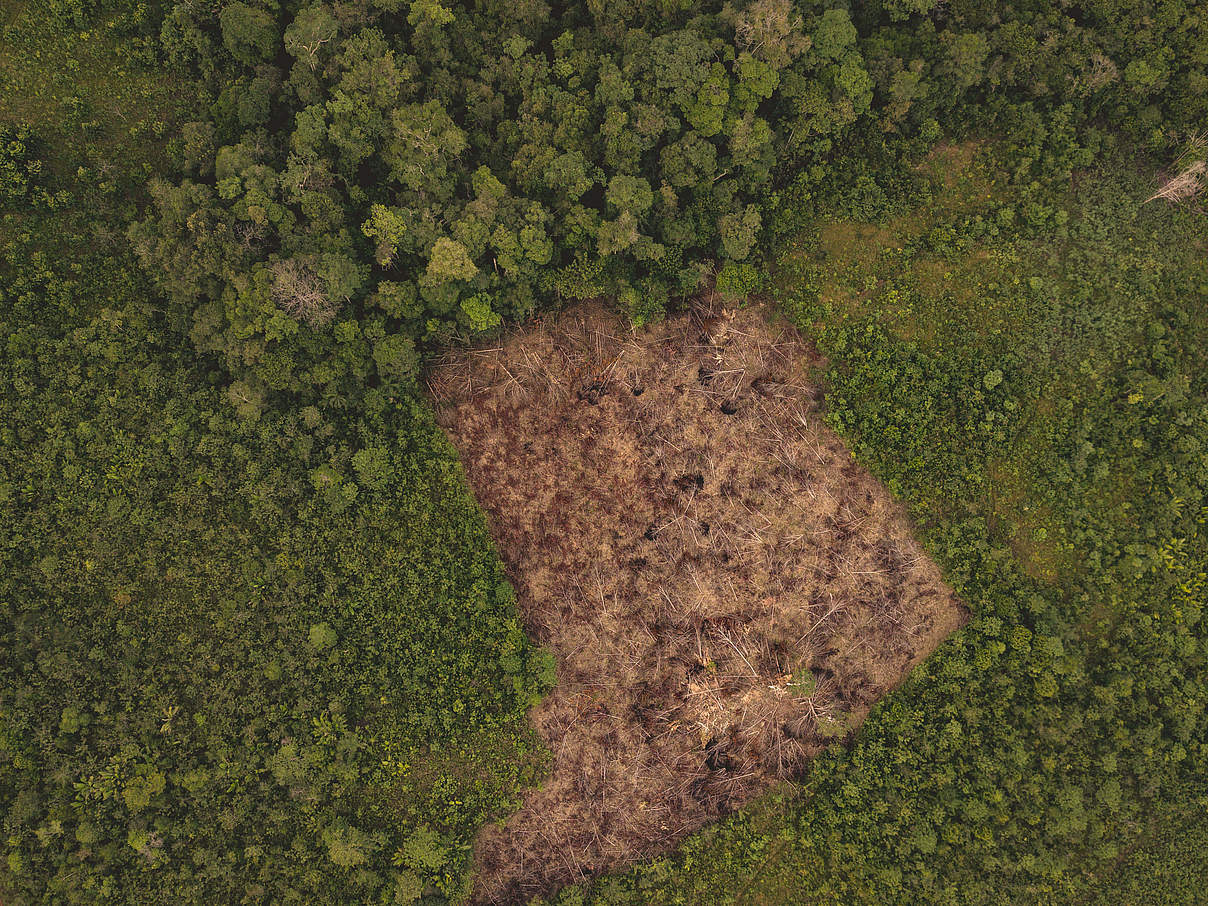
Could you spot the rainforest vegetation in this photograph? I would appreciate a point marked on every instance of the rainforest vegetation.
(256, 644)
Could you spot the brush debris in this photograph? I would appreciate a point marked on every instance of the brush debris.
(726, 591)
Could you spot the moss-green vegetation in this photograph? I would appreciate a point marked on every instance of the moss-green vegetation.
(247, 653)
(80, 76)
(1048, 430)
(1166, 869)
(228, 667)
(257, 645)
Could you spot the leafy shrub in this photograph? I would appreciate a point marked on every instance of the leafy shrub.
(1055, 465)
(220, 675)
(20, 169)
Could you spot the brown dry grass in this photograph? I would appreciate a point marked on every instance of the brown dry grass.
(725, 590)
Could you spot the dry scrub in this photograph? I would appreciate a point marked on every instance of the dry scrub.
(724, 589)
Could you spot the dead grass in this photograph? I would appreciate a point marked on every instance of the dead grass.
(725, 590)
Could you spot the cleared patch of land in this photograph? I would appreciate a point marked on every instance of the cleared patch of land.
(725, 590)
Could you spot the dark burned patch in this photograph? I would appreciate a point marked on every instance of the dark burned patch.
(725, 590)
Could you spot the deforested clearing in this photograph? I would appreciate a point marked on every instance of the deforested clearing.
(725, 590)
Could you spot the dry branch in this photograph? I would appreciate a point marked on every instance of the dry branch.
(683, 561)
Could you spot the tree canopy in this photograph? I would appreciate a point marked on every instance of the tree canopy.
(396, 173)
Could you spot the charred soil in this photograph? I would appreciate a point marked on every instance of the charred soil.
(726, 591)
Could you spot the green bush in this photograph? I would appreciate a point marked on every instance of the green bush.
(1045, 418)
(220, 675)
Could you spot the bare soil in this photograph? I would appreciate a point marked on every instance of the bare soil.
(726, 591)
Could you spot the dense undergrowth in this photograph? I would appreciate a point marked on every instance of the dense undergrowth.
(248, 656)
(226, 672)
(1025, 367)
(1167, 869)
(257, 644)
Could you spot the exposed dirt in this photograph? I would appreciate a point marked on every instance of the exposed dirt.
(725, 590)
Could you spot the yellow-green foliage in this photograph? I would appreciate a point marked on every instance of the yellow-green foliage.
(222, 675)
(257, 646)
(1054, 458)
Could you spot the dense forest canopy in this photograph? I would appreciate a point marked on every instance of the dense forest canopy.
(371, 175)
(257, 643)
